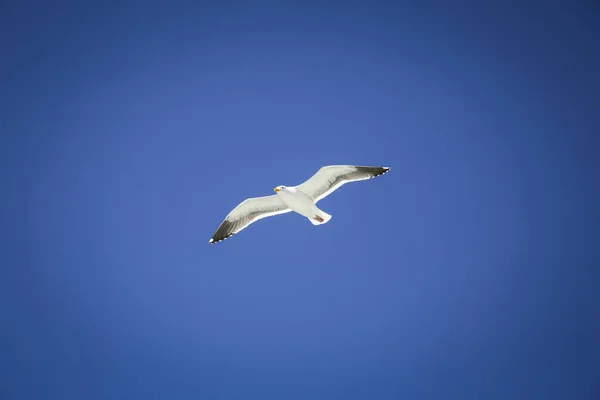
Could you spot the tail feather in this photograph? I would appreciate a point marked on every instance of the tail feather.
(321, 218)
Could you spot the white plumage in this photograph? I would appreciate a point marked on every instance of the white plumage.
(301, 199)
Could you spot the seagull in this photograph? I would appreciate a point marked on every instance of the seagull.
(302, 199)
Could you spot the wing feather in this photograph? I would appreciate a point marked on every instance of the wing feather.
(329, 178)
(247, 212)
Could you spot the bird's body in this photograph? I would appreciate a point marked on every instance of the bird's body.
(303, 204)
(301, 199)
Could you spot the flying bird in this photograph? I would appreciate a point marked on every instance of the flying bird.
(301, 199)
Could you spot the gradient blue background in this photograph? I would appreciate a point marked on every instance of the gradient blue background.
(469, 271)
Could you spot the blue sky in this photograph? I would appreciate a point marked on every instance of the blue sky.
(468, 272)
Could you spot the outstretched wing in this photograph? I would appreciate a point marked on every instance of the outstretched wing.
(247, 212)
(330, 178)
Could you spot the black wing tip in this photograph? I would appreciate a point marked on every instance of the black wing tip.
(382, 171)
(215, 240)
(374, 171)
(224, 231)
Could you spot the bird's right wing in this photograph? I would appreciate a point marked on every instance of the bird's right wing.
(327, 179)
(247, 212)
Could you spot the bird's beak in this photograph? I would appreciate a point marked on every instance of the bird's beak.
(276, 190)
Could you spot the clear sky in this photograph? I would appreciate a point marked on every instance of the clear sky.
(130, 130)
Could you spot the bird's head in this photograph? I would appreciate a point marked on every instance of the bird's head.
(280, 189)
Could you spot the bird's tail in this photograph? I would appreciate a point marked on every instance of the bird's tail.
(321, 218)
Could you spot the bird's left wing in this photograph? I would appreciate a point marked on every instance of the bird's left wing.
(247, 212)
(331, 177)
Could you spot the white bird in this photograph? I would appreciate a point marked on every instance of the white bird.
(301, 199)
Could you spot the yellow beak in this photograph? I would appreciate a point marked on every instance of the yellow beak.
(276, 190)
